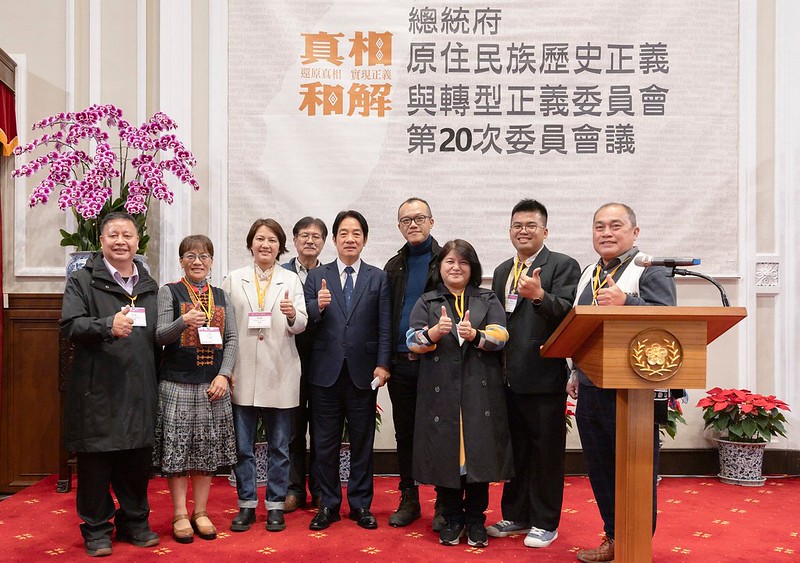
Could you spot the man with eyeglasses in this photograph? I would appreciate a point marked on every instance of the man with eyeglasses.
(309, 235)
(410, 275)
(537, 287)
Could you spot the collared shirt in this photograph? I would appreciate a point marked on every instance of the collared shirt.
(128, 284)
(528, 262)
(343, 275)
(623, 261)
(302, 271)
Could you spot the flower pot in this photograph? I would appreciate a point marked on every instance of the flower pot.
(261, 452)
(740, 463)
(77, 260)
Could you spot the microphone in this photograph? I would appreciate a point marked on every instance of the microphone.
(646, 261)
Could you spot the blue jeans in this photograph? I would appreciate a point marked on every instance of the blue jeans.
(278, 423)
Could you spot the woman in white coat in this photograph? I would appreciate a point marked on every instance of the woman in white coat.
(270, 311)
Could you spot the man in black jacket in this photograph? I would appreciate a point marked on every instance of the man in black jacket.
(109, 313)
(537, 287)
(409, 277)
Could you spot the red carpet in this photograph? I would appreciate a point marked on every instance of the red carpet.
(700, 519)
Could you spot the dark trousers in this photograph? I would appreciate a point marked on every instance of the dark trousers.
(127, 473)
(330, 406)
(466, 504)
(538, 439)
(596, 415)
(297, 447)
(403, 393)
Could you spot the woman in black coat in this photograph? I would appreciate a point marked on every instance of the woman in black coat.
(461, 438)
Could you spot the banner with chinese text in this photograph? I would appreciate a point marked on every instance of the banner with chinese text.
(473, 106)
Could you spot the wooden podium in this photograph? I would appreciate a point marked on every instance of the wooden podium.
(636, 350)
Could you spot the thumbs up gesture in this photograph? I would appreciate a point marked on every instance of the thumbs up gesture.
(122, 326)
(323, 296)
(194, 317)
(441, 328)
(610, 294)
(530, 287)
(287, 306)
(465, 329)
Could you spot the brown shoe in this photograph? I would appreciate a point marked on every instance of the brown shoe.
(293, 502)
(208, 532)
(603, 553)
(182, 535)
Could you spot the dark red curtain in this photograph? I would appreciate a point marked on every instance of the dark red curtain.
(8, 121)
(8, 140)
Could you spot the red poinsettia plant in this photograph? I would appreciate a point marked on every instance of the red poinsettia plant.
(568, 414)
(743, 416)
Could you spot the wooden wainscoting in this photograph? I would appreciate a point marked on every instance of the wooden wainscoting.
(30, 407)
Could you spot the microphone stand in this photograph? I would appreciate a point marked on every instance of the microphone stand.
(682, 272)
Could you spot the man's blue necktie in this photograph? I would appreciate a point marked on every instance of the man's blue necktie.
(348, 286)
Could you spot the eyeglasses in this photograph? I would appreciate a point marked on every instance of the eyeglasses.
(530, 227)
(418, 219)
(313, 236)
(192, 257)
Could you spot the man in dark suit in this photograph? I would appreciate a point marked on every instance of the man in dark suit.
(309, 235)
(349, 305)
(537, 287)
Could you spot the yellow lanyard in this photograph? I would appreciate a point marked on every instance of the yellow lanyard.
(194, 296)
(597, 285)
(518, 267)
(459, 305)
(133, 300)
(262, 294)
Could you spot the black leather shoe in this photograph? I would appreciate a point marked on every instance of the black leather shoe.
(241, 522)
(275, 521)
(364, 518)
(145, 538)
(324, 518)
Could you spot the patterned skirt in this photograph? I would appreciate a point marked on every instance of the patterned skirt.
(194, 436)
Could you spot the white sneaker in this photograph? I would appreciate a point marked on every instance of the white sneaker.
(540, 538)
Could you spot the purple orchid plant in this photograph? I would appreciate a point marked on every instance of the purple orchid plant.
(133, 161)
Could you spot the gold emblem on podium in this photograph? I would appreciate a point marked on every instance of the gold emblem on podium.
(655, 354)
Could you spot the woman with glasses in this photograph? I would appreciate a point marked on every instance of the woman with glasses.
(270, 311)
(194, 428)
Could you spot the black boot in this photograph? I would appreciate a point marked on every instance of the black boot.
(409, 510)
(241, 522)
(275, 521)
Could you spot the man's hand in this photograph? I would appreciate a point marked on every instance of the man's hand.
(465, 329)
(530, 287)
(194, 317)
(383, 374)
(611, 294)
(122, 325)
(441, 328)
(572, 386)
(323, 296)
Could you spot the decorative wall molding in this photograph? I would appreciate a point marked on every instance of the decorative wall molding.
(787, 200)
(20, 193)
(218, 140)
(175, 99)
(767, 274)
(748, 89)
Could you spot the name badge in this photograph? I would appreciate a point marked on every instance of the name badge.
(511, 302)
(259, 319)
(138, 316)
(209, 335)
